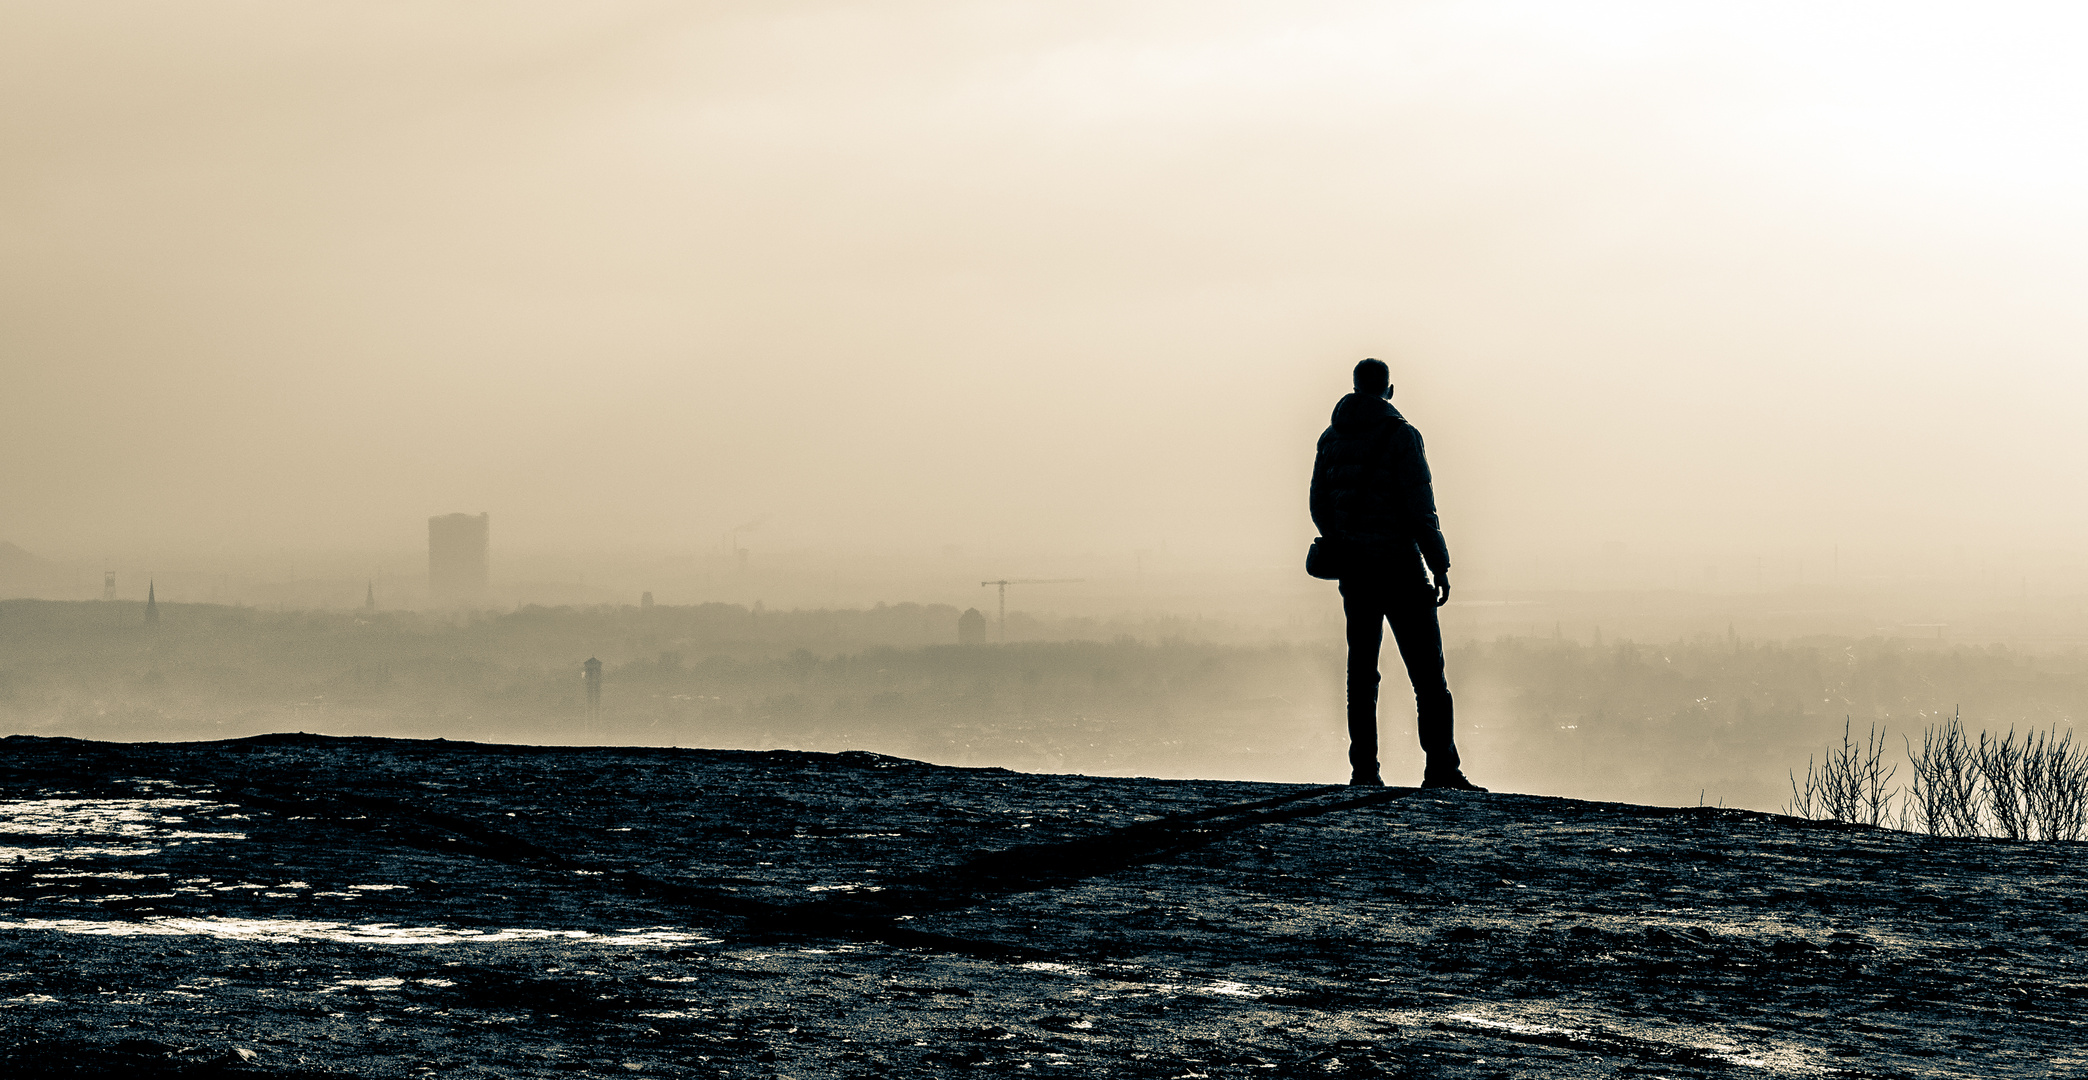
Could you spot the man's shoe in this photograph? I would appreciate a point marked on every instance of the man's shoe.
(1372, 780)
(1451, 782)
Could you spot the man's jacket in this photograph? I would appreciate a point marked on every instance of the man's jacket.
(1371, 491)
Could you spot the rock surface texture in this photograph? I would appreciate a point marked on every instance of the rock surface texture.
(297, 906)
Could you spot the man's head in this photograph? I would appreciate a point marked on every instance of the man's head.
(1373, 379)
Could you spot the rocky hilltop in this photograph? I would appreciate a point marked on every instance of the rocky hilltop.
(299, 906)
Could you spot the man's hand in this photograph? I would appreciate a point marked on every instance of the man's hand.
(1442, 587)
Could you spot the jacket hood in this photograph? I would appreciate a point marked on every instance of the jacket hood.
(1354, 412)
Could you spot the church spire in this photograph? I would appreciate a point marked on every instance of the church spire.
(151, 602)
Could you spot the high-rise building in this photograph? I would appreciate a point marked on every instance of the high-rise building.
(457, 558)
(971, 627)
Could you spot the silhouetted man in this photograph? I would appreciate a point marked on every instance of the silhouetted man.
(1375, 507)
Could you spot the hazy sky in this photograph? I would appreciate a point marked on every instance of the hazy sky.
(1041, 274)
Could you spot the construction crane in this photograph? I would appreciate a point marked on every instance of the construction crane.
(1004, 583)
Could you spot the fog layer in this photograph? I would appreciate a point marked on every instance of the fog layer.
(1066, 276)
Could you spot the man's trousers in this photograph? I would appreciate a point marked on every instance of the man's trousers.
(1408, 604)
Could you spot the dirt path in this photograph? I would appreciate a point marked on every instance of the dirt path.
(295, 906)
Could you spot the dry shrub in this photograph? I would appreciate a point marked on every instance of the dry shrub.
(1849, 785)
(2052, 783)
(1944, 797)
(2027, 787)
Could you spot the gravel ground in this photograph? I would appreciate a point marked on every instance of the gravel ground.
(298, 906)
